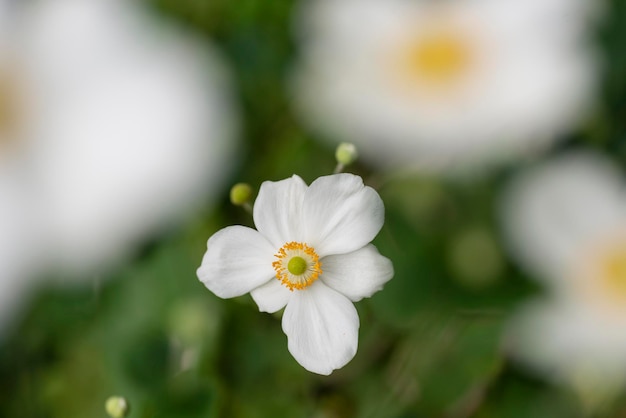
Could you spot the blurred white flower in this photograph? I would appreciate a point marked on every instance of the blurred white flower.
(121, 122)
(312, 254)
(19, 248)
(566, 224)
(444, 85)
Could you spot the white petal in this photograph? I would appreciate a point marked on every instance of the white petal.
(322, 328)
(556, 212)
(238, 259)
(358, 274)
(341, 214)
(272, 296)
(277, 210)
(22, 249)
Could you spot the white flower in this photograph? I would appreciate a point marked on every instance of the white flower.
(120, 122)
(444, 85)
(566, 224)
(311, 253)
(18, 246)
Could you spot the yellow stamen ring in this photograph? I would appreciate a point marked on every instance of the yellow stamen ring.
(297, 265)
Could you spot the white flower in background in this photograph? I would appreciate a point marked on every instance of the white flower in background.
(566, 224)
(19, 247)
(311, 253)
(120, 123)
(444, 85)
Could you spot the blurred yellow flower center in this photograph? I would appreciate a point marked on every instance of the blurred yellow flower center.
(439, 57)
(614, 271)
(8, 106)
(297, 265)
(602, 274)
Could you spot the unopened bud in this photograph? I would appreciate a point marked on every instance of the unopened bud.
(117, 407)
(240, 194)
(346, 153)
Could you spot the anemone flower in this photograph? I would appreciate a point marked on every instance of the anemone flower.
(311, 254)
(566, 225)
(444, 86)
(119, 123)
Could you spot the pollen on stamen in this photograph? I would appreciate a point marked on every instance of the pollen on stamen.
(297, 265)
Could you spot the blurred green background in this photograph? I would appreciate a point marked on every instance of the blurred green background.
(430, 343)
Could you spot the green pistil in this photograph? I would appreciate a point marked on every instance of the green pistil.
(297, 266)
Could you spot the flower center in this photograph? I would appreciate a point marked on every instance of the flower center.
(297, 265)
(614, 271)
(601, 276)
(438, 58)
(10, 108)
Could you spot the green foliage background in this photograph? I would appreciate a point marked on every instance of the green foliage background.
(430, 343)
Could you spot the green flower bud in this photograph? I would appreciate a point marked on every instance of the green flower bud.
(240, 194)
(346, 153)
(117, 407)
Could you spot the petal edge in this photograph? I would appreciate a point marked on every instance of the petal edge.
(322, 328)
(358, 274)
(271, 297)
(341, 214)
(238, 259)
(277, 210)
